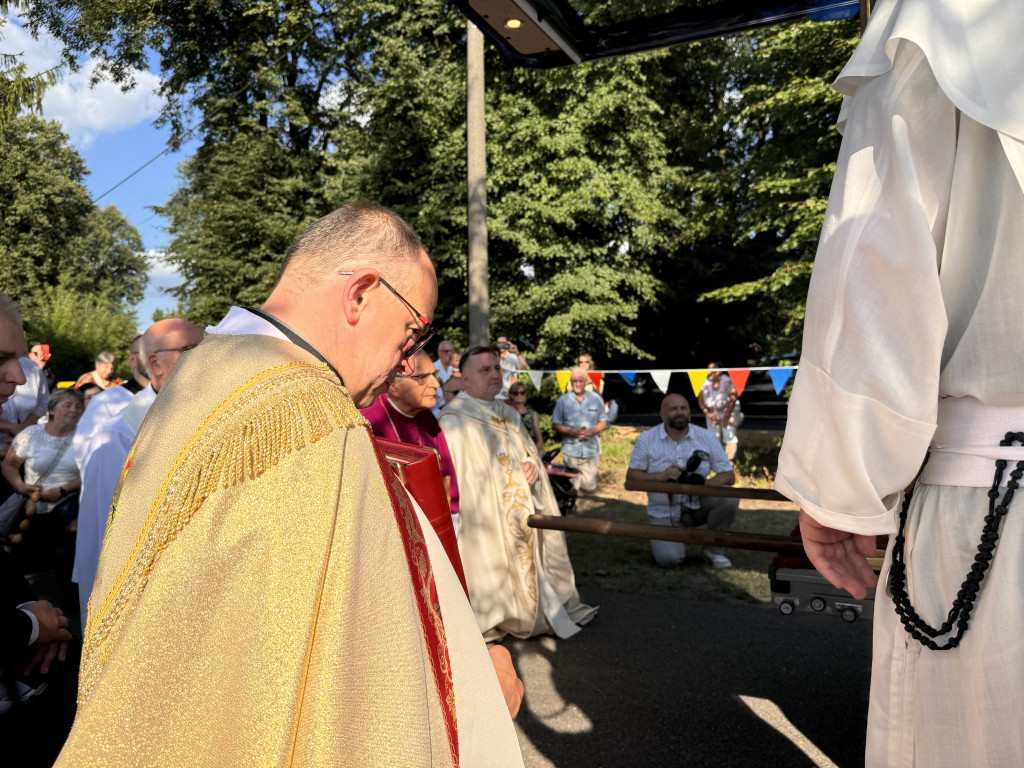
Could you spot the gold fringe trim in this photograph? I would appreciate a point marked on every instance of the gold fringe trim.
(272, 415)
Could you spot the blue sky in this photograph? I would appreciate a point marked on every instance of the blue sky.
(114, 133)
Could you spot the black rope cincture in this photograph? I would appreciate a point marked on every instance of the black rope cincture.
(960, 613)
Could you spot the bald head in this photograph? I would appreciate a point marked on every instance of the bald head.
(163, 343)
(675, 412)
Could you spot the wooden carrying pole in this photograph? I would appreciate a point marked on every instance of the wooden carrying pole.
(762, 542)
(652, 486)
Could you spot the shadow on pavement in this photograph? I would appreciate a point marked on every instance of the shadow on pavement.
(655, 680)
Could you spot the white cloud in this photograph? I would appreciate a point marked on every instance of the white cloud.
(162, 276)
(83, 111)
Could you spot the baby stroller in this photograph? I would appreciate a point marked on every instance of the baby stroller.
(561, 478)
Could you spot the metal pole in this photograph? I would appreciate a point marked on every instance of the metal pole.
(865, 14)
(476, 138)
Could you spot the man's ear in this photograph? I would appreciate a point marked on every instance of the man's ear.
(356, 292)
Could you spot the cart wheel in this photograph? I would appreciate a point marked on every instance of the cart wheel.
(817, 604)
(785, 607)
(849, 614)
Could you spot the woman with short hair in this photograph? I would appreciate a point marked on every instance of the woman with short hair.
(51, 481)
(102, 375)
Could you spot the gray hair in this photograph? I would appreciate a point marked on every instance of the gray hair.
(355, 234)
(58, 395)
(9, 310)
(104, 357)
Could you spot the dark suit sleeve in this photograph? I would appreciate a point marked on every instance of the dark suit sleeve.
(15, 626)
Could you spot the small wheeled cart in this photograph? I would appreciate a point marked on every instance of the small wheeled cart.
(805, 589)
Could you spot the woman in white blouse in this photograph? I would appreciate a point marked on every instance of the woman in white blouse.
(44, 452)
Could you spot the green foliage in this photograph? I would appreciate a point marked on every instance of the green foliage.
(664, 205)
(241, 203)
(43, 205)
(20, 90)
(111, 260)
(50, 232)
(77, 327)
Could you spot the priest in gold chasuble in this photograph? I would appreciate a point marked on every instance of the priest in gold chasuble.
(267, 594)
(520, 580)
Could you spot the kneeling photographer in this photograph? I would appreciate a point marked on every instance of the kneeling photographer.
(679, 451)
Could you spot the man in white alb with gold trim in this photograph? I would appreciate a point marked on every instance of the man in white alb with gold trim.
(520, 579)
(914, 345)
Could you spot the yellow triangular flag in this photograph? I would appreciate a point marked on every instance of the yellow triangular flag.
(697, 379)
(563, 380)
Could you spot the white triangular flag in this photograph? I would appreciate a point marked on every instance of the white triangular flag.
(535, 377)
(661, 379)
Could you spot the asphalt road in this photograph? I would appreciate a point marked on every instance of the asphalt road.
(656, 680)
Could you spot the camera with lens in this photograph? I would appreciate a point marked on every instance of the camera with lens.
(689, 475)
(503, 345)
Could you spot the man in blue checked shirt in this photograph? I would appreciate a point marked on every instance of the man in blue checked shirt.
(579, 418)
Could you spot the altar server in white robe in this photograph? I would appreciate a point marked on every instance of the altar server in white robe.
(914, 345)
(161, 346)
(520, 580)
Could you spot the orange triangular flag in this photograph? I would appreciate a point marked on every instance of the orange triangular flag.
(595, 379)
(739, 378)
(697, 379)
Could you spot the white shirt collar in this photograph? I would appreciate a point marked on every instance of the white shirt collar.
(239, 321)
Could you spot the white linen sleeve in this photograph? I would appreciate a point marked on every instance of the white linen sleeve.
(864, 402)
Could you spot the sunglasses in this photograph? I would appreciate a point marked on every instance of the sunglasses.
(517, 392)
(419, 341)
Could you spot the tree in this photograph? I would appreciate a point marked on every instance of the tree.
(18, 89)
(785, 122)
(50, 232)
(111, 254)
(43, 205)
(77, 327)
(240, 205)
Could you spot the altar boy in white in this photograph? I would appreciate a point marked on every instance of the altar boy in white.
(913, 347)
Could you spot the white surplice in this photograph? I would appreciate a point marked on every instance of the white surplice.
(913, 339)
(102, 408)
(520, 579)
(101, 467)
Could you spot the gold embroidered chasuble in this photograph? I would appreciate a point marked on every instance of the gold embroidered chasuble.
(520, 579)
(265, 595)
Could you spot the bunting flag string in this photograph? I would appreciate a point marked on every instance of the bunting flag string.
(697, 379)
(780, 377)
(739, 378)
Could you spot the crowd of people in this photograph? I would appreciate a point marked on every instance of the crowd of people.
(113, 492)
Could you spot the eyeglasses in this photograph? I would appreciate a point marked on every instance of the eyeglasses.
(424, 336)
(419, 377)
(517, 393)
(186, 348)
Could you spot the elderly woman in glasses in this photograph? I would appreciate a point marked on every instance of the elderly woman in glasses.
(41, 468)
(404, 413)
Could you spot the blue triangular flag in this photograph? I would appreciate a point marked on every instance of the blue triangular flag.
(779, 378)
(629, 376)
